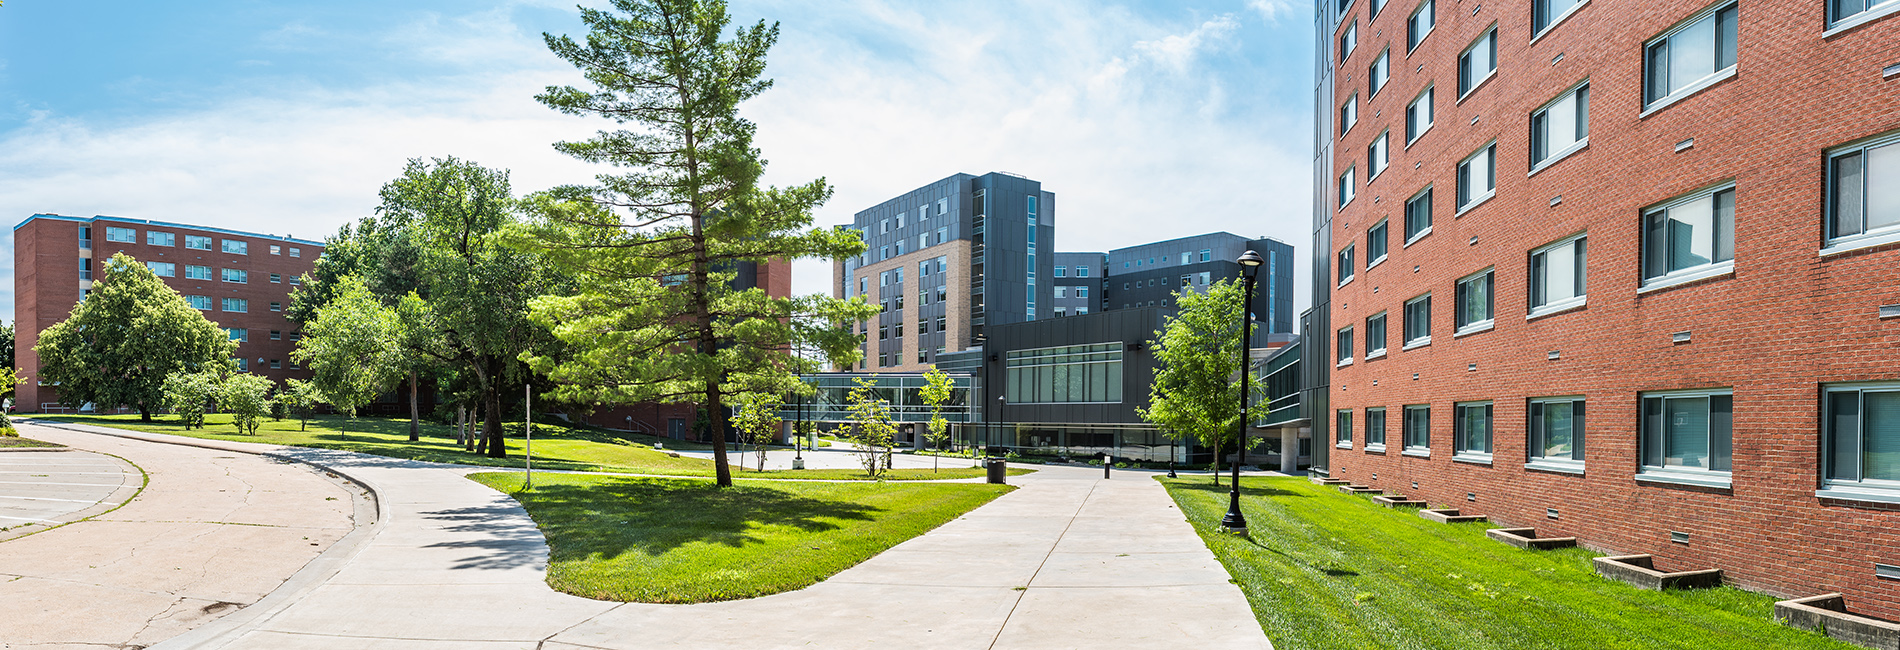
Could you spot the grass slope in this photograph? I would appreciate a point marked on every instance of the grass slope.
(556, 446)
(686, 541)
(24, 443)
(1327, 570)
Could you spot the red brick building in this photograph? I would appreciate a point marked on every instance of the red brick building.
(1628, 271)
(242, 281)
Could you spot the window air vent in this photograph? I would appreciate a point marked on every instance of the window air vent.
(1550, 512)
(1679, 337)
(1679, 538)
(1685, 145)
(1554, 355)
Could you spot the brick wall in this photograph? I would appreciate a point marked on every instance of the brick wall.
(1784, 323)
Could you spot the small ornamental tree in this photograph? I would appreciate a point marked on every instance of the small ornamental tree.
(247, 398)
(351, 348)
(936, 391)
(757, 422)
(302, 398)
(871, 428)
(188, 393)
(1196, 391)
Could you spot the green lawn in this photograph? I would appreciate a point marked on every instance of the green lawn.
(1327, 570)
(659, 540)
(18, 442)
(556, 446)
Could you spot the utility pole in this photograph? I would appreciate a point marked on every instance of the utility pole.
(527, 424)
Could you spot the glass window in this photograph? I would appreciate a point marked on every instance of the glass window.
(1863, 191)
(1375, 335)
(1861, 425)
(1376, 6)
(1345, 265)
(1375, 428)
(276, 278)
(276, 250)
(900, 221)
(1558, 274)
(237, 247)
(1346, 187)
(296, 252)
(1474, 302)
(1375, 243)
(236, 275)
(199, 302)
(1378, 73)
(1418, 116)
(1478, 62)
(1081, 271)
(1376, 158)
(1342, 431)
(1838, 10)
(1477, 177)
(277, 306)
(1348, 40)
(1344, 345)
(85, 237)
(197, 243)
(276, 335)
(1419, 25)
(122, 235)
(238, 334)
(943, 324)
(1561, 127)
(1685, 60)
(1688, 432)
(1418, 321)
(1689, 235)
(1081, 292)
(1418, 427)
(163, 269)
(1062, 271)
(194, 272)
(1206, 255)
(1062, 291)
(276, 364)
(1065, 374)
(155, 238)
(1471, 430)
(1348, 114)
(1418, 214)
(1544, 13)
(1556, 430)
(236, 305)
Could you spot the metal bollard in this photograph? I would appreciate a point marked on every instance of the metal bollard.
(1107, 462)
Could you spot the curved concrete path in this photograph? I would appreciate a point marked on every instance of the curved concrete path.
(211, 532)
(43, 488)
(1069, 560)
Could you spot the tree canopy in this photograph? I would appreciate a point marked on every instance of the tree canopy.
(658, 245)
(1196, 393)
(122, 341)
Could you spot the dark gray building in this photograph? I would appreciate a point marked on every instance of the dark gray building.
(1148, 275)
(948, 260)
(1316, 329)
(1078, 283)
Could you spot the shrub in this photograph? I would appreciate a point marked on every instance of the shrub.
(247, 398)
(187, 393)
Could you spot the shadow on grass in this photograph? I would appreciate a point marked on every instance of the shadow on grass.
(654, 516)
(1245, 489)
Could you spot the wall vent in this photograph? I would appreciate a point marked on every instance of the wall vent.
(1890, 311)
(1375, 476)
(1678, 538)
(1415, 376)
(1471, 496)
(1555, 59)
(1887, 571)
(1471, 367)
(1550, 512)
(1679, 337)
(1891, 71)
(1414, 485)
(1685, 145)
(1554, 355)
(1556, 200)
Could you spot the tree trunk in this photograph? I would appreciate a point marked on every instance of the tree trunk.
(493, 431)
(145, 414)
(722, 471)
(478, 442)
(1217, 450)
(415, 412)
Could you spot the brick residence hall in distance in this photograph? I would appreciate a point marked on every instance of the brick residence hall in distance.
(1628, 271)
(242, 281)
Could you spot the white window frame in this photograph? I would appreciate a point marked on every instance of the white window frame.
(1665, 101)
(131, 236)
(1405, 439)
(1428, 96)
(1405, 212)
(225, 275)
(194, 301)
(1866, 238)
(1872, 13)
(1408, 343)
(1582, 117)
(1676, 473)
(1566, 304)
(208, 276)
(1490, 151)
(1478, 82)
(1349, 41)
(1861, 489)
(1554, 20)
(1347, 264)
(1343, 354)
(244, 306)
(171, 269)
(1379, 74)
(1385, 327)
(1490, 320)
(1370, 445)
(1412, 41)
(1458, 451)
(1350, 117)
(1348, 186)
(243, 247)
(1533, 453)
(1342, 429)
(153, 237)
(1379, 155)
(1384, 228)
(189, 239)
(1689, 274)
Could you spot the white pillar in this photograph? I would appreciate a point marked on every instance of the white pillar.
(1289, 450)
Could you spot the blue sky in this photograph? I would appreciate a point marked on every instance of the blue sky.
(1148, 120)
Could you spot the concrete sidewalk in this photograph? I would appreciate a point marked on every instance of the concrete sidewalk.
(1069, 560)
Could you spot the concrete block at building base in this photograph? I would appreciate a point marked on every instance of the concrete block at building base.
(1321, 480)
(1449, 516)
(1397, 501)
(1827, 613)
(1640, 570)
(1526, 538)
(1359, 489)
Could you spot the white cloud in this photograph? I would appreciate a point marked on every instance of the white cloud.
(1178, 51)
(1273, 10)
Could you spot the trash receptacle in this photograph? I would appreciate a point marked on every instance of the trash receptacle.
(999, 471)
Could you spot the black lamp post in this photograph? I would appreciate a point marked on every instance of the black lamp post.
(1250, 263)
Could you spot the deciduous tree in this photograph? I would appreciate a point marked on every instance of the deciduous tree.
(247, 398)
(871, 428)
(122, 341)
(187, 394)
(936, 392)
(1196, 390)
(757, 421)
(351, 348)
(659, 244)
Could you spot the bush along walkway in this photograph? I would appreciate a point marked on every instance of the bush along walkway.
(1327, 570)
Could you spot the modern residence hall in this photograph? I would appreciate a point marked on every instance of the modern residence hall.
(241, 280)
(1624, 271)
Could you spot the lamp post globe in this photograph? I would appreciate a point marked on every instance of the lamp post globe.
(1250, 262)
